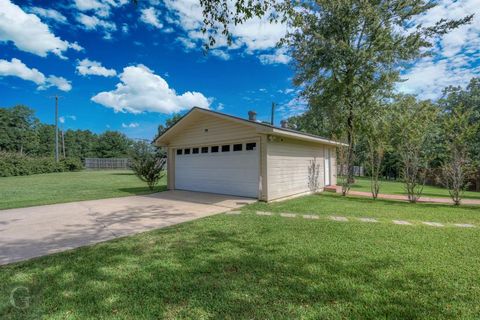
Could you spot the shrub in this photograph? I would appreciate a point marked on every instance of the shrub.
(15, 164)
(72, 164)
(147, 163)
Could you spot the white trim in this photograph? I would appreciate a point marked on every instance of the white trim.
(299, 136)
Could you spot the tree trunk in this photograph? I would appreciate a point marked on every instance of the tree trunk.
(477, 184)
(350, 153)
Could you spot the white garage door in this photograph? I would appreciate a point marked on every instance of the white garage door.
(225, 168)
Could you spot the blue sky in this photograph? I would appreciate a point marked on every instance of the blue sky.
(123, 67)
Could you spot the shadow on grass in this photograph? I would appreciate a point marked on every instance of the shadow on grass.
(190, 272)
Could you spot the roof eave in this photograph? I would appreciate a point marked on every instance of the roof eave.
(299, 136)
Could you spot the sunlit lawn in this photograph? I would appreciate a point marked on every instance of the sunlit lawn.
(266, 267)
(397, 187)
(24, 191)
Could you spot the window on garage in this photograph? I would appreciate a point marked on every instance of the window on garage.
(237, 147)
(195, 150)
(204, 149)
(187, 151)
(226, 148)
(214, 149)
(251, 146)
(179, 151)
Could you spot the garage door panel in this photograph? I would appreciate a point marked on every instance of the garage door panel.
(234, 172)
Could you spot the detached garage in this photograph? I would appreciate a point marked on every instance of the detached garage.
(213, 152)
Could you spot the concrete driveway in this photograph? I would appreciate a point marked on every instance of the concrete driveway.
(36, 231)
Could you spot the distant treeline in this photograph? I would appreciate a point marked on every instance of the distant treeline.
(23, 133)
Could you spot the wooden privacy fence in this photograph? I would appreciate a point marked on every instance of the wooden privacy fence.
(107, 163)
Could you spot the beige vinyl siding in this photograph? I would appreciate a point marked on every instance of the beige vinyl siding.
(288, 164)
(208, 129)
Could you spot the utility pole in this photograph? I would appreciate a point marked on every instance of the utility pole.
(63, 143)
(56, 128)
(273, 113)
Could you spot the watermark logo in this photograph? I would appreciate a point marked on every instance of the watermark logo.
(20, 298)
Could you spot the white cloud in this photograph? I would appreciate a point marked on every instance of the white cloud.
(130, 125)
(59, 82)
(187, 43)
(454, 59)
(220, 54)
(292, 107)
(256, 35)
(220, 107)
(142, 90)
(50, 14)
(16, 68)
(63, 119)
(259, 34)
(278, 57)
(188, 11)
(28, 32)
(101, 8)
(88, 67)
(94, 23)
(75, 46)
(149, 16)
(429, 77)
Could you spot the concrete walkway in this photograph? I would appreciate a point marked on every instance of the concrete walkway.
(36, 231)
(405, 198)
(359, 219)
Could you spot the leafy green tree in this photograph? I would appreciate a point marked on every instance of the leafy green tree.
(458, 134)
(18, 129)
(375, 128)
(314, 121)
(345, 52)
(413, 127)
(469, 100)
(80, 143)
(147, 164)
(46, 140)
(348, 53)
(112, 144)
(168, 123)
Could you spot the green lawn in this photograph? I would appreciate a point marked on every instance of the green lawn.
(396, 187)
(51, 188)
(266, 267)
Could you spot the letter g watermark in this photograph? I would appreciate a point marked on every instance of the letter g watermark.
(20, 298)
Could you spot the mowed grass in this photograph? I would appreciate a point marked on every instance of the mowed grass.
(40, 189)
(328, 204)
(397, 187)
(263, 267)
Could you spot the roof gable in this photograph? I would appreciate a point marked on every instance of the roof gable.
(196, 113)
(198, 127)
